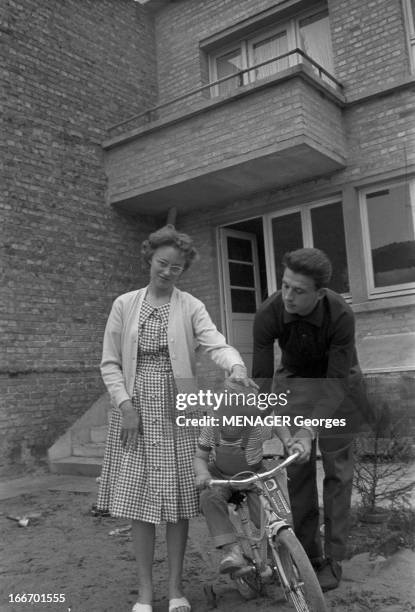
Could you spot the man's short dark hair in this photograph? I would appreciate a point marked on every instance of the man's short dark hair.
(310, 262)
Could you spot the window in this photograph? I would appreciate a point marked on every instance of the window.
(315, 40)
(263, 49)
(316, 225)
(242, 281)
(409, 9)
(227, 64)
(309, 32)
(388, 215)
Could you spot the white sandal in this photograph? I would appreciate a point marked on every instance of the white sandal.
(140, 607)
(179, 602)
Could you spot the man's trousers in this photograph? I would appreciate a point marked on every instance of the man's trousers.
(337, 492)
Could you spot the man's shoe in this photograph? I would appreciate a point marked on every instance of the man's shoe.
(329, 575)
(232, 560)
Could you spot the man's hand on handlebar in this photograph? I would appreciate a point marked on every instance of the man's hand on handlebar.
(301, 445)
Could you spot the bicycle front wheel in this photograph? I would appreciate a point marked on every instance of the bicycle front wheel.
(296, 573)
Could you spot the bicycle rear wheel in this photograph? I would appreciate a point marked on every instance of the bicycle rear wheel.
(296, 573)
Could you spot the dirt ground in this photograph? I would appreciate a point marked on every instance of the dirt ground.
(67, 551)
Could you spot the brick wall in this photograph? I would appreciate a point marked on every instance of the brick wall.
(180, 27)
(73, 68)
(380, 135)
(224, 134)
(380, 132)
(386, 321)
(369, 43)
(76, 67)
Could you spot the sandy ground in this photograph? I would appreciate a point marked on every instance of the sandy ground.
(67, 551)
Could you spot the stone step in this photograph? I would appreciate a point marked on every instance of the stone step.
(99, 434)
(89, 450)
(81, 466)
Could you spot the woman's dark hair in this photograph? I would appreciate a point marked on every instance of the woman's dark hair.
(310, 262)
(168, 236)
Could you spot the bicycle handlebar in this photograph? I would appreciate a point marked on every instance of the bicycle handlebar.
(257, 476)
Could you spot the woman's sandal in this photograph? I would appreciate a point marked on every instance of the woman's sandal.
(179, 602)
(140, 607)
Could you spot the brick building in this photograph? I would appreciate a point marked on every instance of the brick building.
(260, 126)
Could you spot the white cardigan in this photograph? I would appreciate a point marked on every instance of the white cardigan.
(189, 325)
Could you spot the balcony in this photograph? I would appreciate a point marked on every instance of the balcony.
(198, 151)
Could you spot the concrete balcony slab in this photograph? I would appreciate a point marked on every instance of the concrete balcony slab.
(230, 149)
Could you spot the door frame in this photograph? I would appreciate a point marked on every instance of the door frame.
(224, 284)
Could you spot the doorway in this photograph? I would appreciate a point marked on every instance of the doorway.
(244, 281)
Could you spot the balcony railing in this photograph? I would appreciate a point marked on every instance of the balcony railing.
(241, 78)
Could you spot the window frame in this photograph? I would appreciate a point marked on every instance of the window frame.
(321, 9)
(213, 68)
(389, 290)
(409, 18)
(247, 42)
(307, 235)
(285, 26)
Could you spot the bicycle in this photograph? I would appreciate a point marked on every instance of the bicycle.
(275, 556)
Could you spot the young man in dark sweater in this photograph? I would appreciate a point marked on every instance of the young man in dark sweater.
(315, 330)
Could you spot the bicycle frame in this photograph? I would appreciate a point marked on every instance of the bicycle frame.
(288, 562)
(276, 511)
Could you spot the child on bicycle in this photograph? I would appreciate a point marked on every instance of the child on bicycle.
(223, 452)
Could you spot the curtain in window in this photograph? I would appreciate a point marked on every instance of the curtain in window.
(315, 40)
(226, 65)
(267, 49)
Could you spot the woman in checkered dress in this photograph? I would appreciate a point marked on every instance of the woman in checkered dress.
(148, 357)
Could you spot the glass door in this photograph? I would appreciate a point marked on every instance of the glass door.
(241, 288)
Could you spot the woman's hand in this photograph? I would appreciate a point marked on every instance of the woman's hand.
(130, 425)
(202, 480)
(239, 376)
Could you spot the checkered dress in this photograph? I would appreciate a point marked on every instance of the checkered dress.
(154, 482)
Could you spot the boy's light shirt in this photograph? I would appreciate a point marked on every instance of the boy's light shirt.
(253, 451)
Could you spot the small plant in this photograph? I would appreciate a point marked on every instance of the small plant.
(382, 464)
(402, 521)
